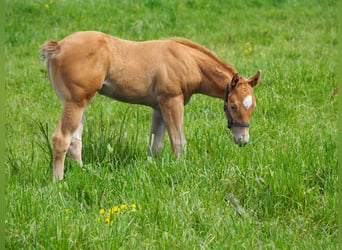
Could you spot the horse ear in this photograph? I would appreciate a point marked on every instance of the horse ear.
(234, 80)
(254, 80)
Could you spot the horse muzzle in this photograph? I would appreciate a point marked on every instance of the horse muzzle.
(241, 136)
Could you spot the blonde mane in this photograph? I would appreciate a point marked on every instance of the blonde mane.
(205, 51)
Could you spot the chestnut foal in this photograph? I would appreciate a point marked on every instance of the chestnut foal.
(162, 74)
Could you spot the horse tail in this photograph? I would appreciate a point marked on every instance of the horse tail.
(49, 49)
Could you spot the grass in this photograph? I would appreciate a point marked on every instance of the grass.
(285, 179)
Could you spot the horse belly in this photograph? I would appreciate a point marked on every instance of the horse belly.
(135, 94)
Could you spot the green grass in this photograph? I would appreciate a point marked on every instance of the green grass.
(285, 179)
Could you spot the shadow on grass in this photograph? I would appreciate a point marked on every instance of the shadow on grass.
(105, 144)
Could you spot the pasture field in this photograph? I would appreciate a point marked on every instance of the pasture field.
(285, 180)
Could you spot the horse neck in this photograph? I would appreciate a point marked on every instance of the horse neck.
(215, 79)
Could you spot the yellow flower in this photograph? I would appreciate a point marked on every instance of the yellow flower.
(107, 220)
(102, 211)
(124, 207)
(115, 209)
(133, 207)
(46, 5)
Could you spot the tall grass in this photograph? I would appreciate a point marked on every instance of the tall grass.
(285, 180)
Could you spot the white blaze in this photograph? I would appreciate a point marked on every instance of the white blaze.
(247, 102)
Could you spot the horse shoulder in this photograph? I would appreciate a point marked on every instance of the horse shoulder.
(185, 67)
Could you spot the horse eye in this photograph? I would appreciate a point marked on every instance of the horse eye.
(233, 107)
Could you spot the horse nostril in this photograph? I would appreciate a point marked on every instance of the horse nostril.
(242, 142)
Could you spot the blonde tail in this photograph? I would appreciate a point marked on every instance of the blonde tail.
(49, 49)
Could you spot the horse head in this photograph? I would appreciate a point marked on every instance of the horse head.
(239, 104)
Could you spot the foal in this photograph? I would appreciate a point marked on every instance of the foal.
(161, 74)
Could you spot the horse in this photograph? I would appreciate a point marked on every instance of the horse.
(162, 74)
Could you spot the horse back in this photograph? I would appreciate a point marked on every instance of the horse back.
(135, 72)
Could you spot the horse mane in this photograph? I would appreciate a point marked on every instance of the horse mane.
(205, 51)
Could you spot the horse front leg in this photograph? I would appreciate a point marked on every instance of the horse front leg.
(173, 112)
(157, 133)
(70, 121)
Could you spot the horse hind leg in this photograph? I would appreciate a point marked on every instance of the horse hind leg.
(75, 147)
(69, 123)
